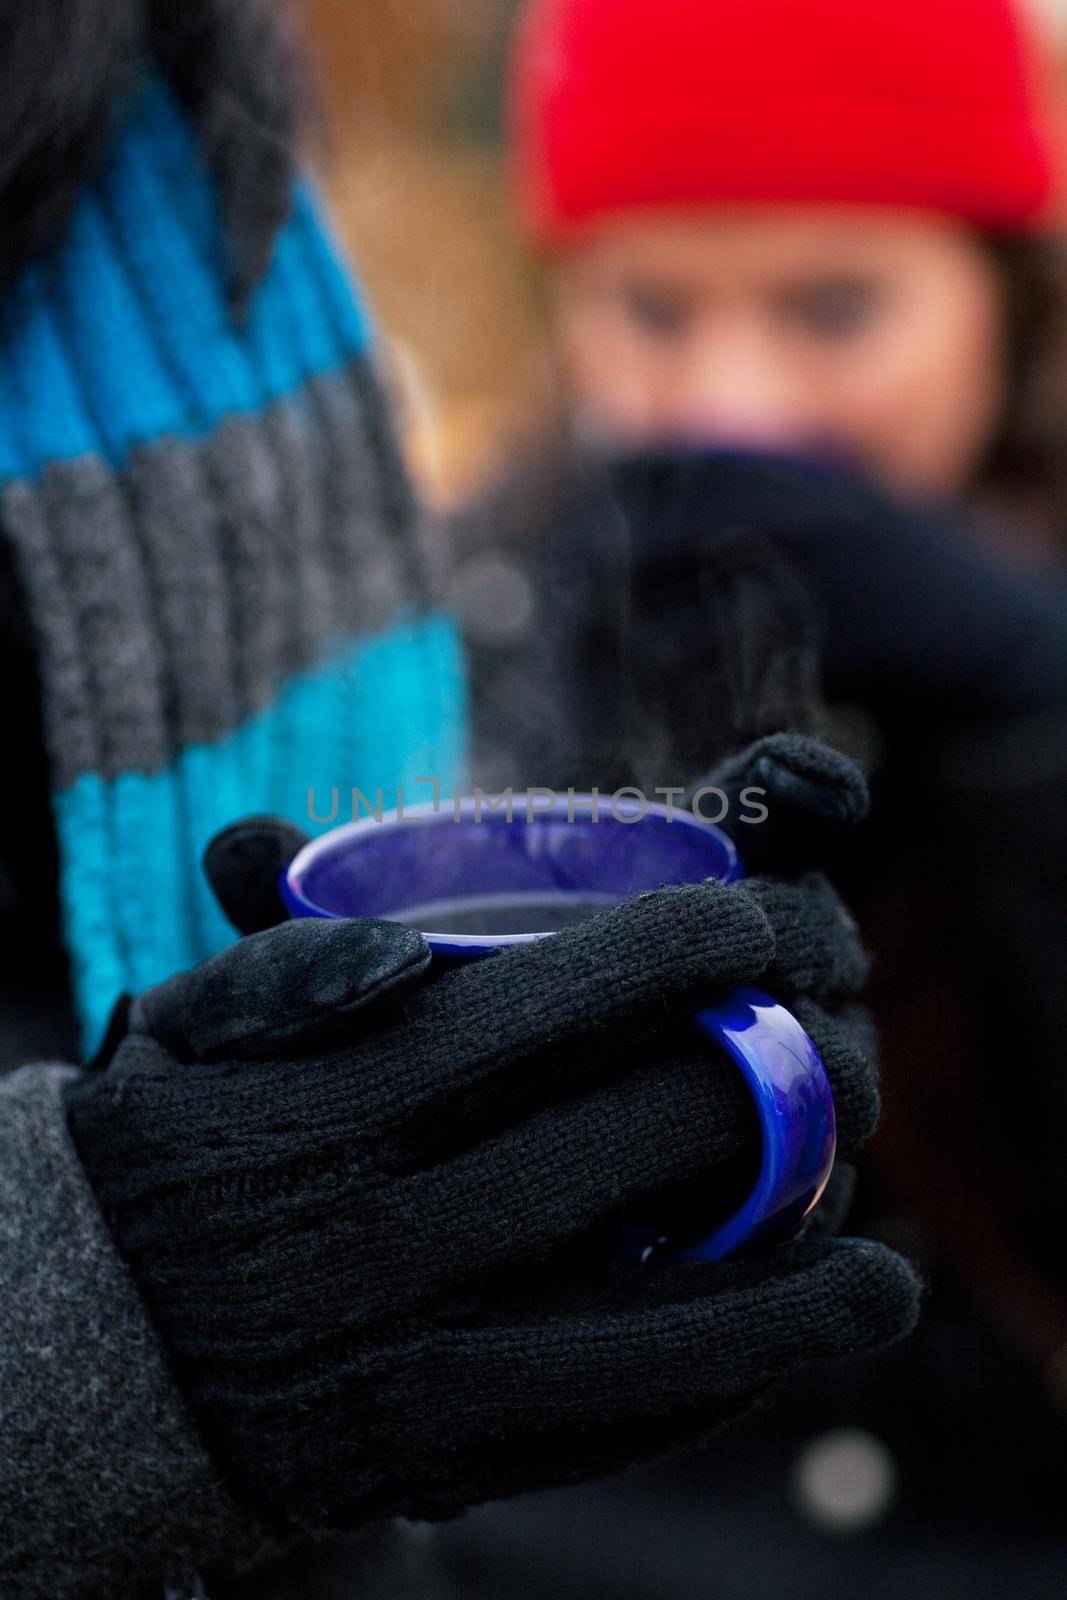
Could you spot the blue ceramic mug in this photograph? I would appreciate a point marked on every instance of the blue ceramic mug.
(475, 880)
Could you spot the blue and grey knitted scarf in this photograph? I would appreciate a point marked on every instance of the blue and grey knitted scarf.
(218, 547)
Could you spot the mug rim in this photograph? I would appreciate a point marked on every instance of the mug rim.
(336, 839)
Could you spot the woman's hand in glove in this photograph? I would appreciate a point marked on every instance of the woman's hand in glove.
(354, 1199)
(917, 607)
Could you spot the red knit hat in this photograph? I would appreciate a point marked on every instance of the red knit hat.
(944, 105)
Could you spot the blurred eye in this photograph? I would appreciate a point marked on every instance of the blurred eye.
(834, 309)
(656, 312)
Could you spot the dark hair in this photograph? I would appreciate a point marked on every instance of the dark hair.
(63, 64)
(1026, 464)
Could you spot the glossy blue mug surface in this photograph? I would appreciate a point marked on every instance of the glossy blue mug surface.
(476, 879)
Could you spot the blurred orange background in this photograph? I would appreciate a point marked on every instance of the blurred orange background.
(413, 164)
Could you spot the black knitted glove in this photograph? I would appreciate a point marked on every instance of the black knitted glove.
(810, 792)
(330, 1235)
(362, 1205)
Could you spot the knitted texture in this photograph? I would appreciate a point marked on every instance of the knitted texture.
(218, 548)
(363, 1207)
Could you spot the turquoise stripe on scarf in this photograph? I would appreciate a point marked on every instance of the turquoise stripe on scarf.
(143, 261)
(385, 712)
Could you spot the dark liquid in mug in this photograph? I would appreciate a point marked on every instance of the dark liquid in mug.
(497, 914)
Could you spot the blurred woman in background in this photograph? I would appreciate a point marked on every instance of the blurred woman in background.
(804, 277)
(803, 225)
